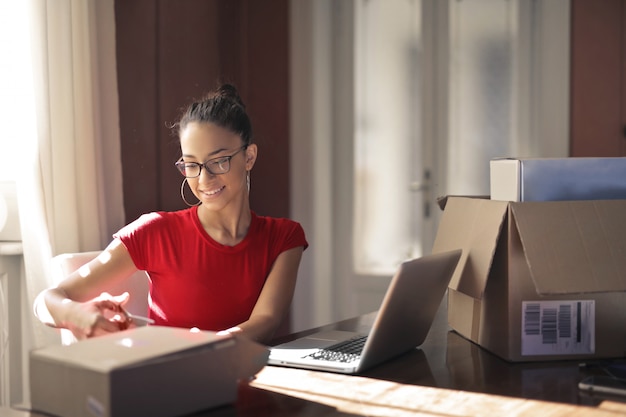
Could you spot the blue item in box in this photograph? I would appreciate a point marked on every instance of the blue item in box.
(556, 179)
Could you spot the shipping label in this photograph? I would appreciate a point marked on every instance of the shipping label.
(558, 327)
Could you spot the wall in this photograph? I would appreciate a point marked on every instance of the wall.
(598, 89)
(170, 52)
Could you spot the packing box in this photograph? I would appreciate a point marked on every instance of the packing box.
(146, 371)
(554, 179)
(538, 280)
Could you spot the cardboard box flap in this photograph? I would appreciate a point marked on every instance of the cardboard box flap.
(574, 246)
(134, 346)
(473, 225)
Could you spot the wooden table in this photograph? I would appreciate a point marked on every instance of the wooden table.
(446, 376)
(451, 376)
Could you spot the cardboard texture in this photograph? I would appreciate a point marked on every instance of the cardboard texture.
(557, 179)
(538, 280)
(153, 370)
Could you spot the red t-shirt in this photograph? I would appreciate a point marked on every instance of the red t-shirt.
(198, 282)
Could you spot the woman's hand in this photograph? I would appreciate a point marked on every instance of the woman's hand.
(99, 316)
(81, 302)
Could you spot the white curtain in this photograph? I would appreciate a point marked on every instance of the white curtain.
(69, 184)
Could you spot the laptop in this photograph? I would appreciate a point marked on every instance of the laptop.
(407, 311)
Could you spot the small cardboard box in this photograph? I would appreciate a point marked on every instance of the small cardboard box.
(146, 371)
(556, 179)
(538, 280)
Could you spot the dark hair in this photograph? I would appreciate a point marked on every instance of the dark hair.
(223, 108)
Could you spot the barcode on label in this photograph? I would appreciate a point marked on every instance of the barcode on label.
(565, 320)
(548, 326)
(558, 327)
(532, 322)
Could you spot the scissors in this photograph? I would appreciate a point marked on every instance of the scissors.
(137, 320)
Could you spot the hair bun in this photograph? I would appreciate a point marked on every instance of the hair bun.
(229, 92)
(223, 107)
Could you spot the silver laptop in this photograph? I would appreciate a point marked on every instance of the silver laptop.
(401, 324)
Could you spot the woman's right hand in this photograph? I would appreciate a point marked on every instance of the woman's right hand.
(99, 316)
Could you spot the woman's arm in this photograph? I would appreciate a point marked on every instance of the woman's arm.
(275, 299)
(80, 302)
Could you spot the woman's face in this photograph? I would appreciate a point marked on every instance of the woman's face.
(201, 142)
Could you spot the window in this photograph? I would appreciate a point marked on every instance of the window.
(441, 88)
(388, 165)
(16, 88)
(481, 101)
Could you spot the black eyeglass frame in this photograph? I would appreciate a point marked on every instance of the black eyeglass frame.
(181, 165)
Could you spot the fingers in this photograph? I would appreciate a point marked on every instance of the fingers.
(121, 299)
(115, 304)
(104, 314)
(104, 326)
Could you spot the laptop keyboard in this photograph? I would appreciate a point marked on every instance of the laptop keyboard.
(346, 351)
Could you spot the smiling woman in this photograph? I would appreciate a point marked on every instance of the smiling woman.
(216, 266)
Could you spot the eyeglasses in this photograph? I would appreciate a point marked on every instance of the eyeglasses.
(215, 166)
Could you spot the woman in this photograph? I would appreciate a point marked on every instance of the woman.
(216, 266)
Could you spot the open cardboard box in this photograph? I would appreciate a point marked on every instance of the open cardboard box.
(146, 371)
(538, 280)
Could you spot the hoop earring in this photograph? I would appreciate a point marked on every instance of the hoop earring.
(248, 180)
(182, 194)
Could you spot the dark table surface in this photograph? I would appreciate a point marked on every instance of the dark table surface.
(444, 360)
(448, 360)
